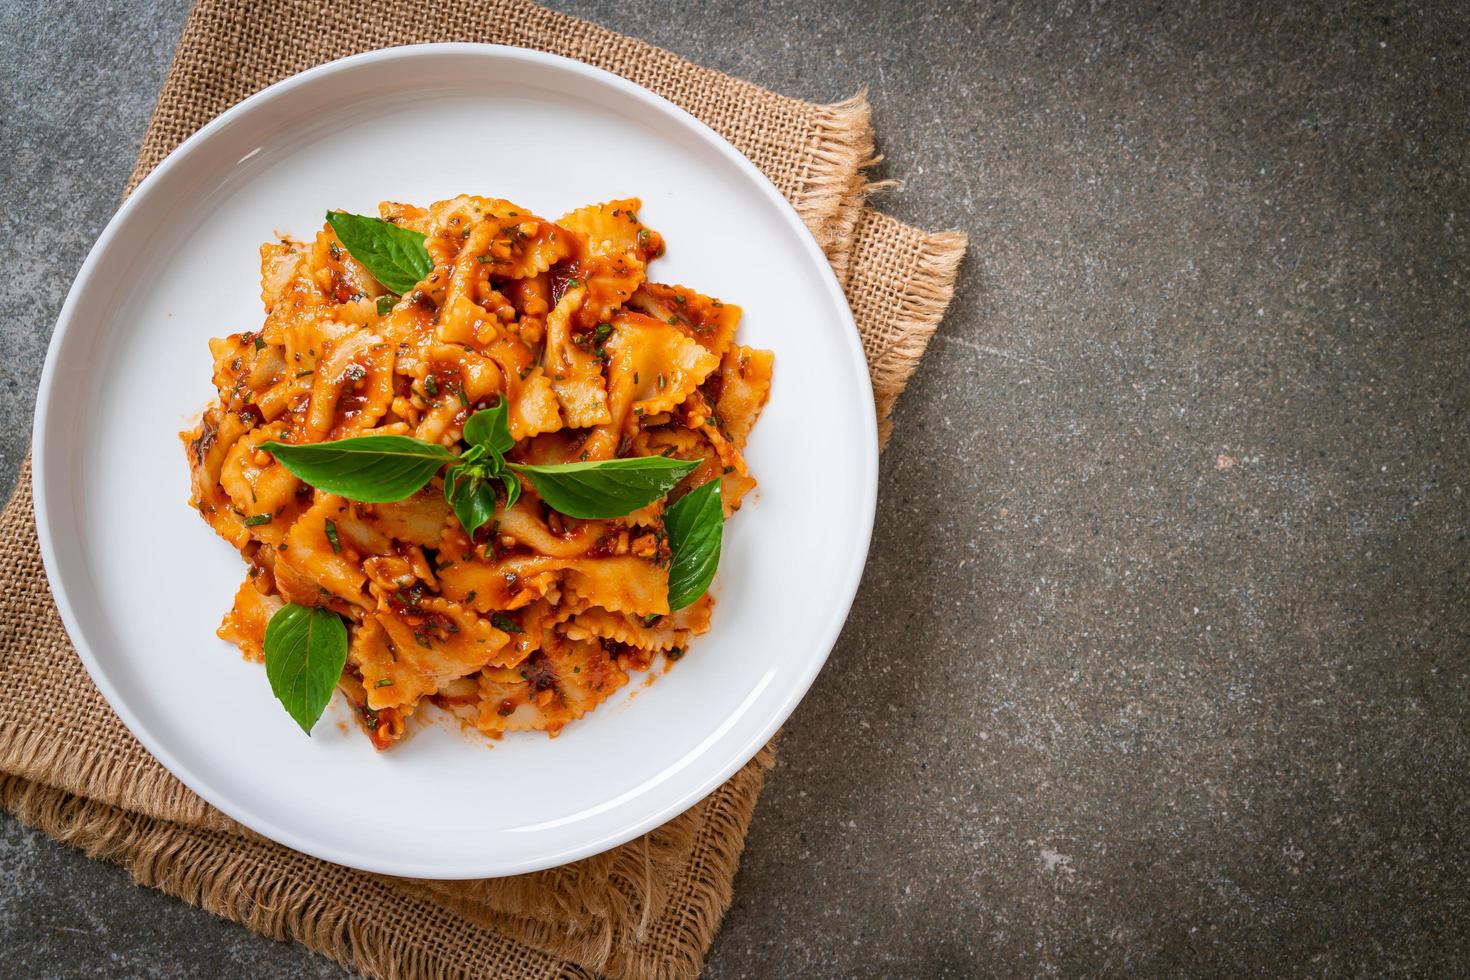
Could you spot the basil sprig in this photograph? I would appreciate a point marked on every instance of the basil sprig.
(394, 256)
(305, 650)
(379, 469)
(695, 524)
(469, 484)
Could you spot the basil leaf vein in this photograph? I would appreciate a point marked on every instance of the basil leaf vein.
(695, 524)
(305, 651)
(394, 256)
(599, 489)
(370, 469)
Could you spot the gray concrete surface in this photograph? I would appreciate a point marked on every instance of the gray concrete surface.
(1160, 660)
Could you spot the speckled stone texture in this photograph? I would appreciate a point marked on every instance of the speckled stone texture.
(1160, 660)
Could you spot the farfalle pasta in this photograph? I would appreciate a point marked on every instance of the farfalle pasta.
(532, 619)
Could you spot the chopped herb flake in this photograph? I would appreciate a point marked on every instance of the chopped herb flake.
(257, 520)
(332, 537)
(505, 624)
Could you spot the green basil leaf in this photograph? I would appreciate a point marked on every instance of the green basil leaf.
(472, 496)
(512, 488)
(489, 428)
(395, 256)
(452, 477)
(695, 524)
(305, 650)
(606, 488)
(372, 469)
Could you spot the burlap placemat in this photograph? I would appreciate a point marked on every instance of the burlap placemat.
(649, 908)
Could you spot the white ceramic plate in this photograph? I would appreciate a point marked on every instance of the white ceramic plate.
(141, 581)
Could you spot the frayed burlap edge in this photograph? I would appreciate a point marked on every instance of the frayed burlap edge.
(922, 307)
(832, 188)
(40, 756)
(252, 883)
(239, 884)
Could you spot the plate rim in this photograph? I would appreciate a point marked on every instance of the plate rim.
(468, 869)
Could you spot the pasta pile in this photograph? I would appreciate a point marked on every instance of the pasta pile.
(539, 617)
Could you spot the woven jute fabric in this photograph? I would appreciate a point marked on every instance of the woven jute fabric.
(649, 908)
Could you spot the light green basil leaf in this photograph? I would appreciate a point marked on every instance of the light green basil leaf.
(695, 524)
(472, 496)
(489, 428)
(395, 256)
(372, 469)
(452, 477)
(473, 454)
(512, 488)
(599, 489)
(305, 650)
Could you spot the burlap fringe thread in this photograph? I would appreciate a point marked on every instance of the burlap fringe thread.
(832, 183)
(39, 756)
(921, 307)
